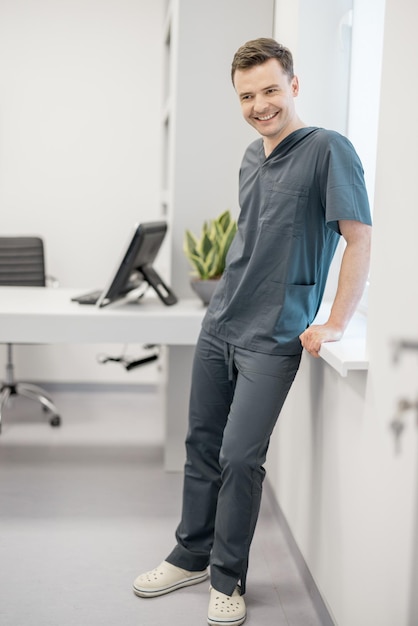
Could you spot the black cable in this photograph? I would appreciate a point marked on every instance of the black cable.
(131, 364)
(139, 362)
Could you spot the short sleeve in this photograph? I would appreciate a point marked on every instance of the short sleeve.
(344, 190)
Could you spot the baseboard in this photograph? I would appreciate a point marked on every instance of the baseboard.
(309, 582)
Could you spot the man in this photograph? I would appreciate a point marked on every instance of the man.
(300, 189)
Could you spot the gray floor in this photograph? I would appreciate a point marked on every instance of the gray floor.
(86, 507)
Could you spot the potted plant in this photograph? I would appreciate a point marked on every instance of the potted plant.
(207, 253)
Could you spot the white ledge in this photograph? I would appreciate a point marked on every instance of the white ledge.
(350, 353)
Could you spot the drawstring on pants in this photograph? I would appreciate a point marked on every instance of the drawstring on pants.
(229, 351)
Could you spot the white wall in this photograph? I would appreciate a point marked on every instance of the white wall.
(350, 499)
(364, 86)
(320, 41)
(80, 111)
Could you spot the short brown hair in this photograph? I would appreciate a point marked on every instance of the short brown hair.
(258, 51)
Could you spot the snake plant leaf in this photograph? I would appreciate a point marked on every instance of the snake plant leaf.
(206, 244)
(199, 266)
(224, 220)
(191, 244)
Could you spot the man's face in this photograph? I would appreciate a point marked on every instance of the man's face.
(267, 95)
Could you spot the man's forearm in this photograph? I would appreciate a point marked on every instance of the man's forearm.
(351, 282)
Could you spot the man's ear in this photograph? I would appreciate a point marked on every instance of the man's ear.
(295, 86)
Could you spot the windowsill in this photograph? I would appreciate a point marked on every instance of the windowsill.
(350, 353)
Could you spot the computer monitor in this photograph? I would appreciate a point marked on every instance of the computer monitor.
(135, 269)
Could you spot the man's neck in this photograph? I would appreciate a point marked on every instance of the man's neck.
(270, 143)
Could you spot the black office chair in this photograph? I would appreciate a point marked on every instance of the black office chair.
(22, 264)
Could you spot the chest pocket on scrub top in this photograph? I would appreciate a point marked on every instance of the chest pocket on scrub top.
(286, 206)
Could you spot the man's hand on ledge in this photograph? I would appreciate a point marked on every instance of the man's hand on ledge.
(317, 334)
(351, 281)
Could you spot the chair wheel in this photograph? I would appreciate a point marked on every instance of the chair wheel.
(55, 421)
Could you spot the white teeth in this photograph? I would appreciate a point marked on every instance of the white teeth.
(266, 117)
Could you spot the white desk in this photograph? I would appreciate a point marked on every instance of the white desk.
(38, 315)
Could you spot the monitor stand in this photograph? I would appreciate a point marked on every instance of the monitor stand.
(163, 291)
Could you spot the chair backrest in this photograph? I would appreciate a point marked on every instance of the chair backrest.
(22, 261)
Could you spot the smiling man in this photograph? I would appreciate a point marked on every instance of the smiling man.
(267, 94)
(300, 189)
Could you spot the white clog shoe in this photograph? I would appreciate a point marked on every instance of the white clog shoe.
(164, 579)
(226, 610)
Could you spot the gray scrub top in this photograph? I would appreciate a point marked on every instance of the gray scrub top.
(278, 262)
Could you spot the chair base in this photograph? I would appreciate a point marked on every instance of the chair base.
(33, 392)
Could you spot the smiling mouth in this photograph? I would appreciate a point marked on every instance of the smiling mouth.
(265, 118)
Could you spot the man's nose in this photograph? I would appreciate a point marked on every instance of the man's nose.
(260, 102)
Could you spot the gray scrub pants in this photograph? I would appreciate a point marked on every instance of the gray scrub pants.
(235, 400)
